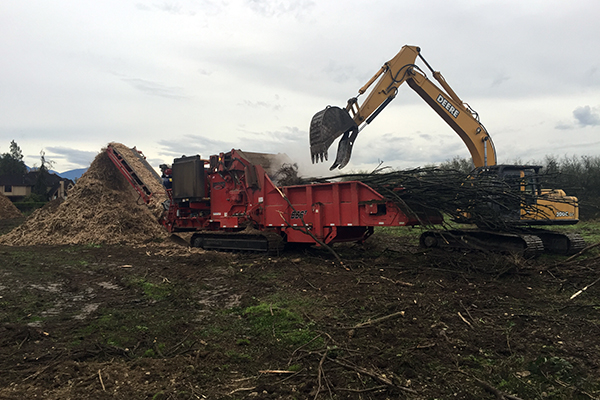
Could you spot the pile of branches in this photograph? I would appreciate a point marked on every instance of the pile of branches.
(484, 200)
(287, 175)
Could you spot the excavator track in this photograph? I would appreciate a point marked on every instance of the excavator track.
(559, 243)
(527, 245)
(260, 242)
(528, 242)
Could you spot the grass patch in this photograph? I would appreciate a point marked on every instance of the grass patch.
(153, 291)
(143, 330)
(411, 234)
(113, 327)
(25, 308)
(237, 357)
(281, 320)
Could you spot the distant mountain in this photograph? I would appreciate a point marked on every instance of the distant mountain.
(73, 174)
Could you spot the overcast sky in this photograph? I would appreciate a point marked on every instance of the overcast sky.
(203, 77)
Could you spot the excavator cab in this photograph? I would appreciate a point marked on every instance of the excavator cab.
(529, 204)
(510, 188)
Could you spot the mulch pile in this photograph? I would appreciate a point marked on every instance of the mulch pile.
(8, 209)
(102, 208)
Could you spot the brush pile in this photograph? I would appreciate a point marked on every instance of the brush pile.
(484, 200)
(101, 208)
(286, 175)
(8, 209)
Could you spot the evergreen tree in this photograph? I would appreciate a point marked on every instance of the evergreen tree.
(12, 162)
(15, 151)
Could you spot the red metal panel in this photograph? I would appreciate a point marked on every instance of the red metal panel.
(334, 206)
(354, 197)
(129, 173)
(339, 205)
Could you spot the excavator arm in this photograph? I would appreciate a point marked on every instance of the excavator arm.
(333, 122)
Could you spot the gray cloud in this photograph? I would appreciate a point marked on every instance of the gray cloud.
(172, 8)
(587, 116)
(340, 73)
(260, 104)
(592, 75)
(191, 145)
(178, 8)
(394, 149)
(270, 8)
(288, 134)
(584, 116)
(564, 126)
(157, 89)
(78, 157)
(500, 79)
(425, 136)
(287, 140)
(142, 7)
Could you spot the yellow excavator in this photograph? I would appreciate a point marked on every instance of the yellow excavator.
(540, 207)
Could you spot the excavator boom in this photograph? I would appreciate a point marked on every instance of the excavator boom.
(333, 122)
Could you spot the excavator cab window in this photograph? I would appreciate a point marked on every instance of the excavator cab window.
(512, 177)
(531, 184)
(520, 184)
(522, 179)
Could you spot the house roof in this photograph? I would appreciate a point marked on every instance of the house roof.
(28, 179)
(16, 180)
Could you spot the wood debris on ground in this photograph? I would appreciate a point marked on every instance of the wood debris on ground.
(8, 209)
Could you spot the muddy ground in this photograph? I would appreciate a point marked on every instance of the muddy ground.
(160, 322)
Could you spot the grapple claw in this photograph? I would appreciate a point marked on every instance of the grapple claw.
(343, 153)
(326, 126)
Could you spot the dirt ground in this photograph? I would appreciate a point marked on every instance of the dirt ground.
(157, 321)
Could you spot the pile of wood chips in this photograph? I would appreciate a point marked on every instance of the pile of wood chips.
(102, 208)
(8, 209)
